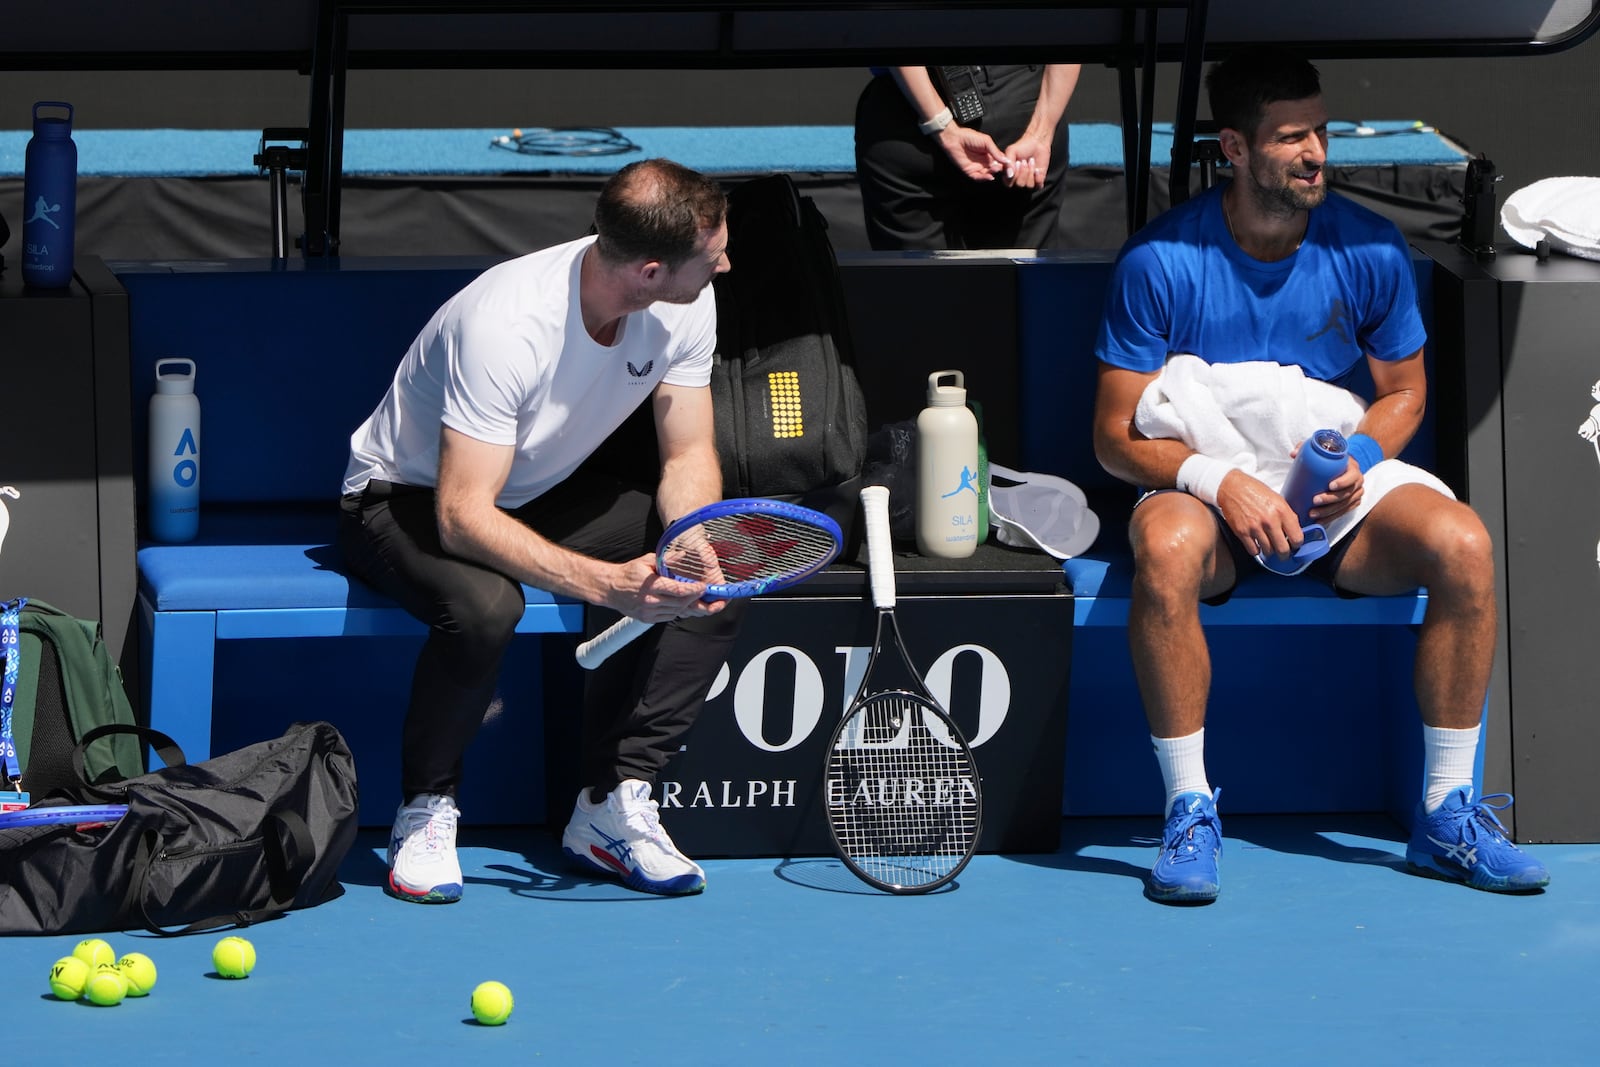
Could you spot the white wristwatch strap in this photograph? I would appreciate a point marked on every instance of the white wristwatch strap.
(937, 123)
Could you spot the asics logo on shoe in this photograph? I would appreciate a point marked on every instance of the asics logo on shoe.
(617, 853)
(1461, 853)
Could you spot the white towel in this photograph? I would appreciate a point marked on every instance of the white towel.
(1565, 211)
(1252, 415)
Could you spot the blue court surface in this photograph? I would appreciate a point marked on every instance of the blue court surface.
(1322, 950)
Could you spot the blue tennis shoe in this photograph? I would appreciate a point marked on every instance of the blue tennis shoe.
(1191, 847)
(1464, 841)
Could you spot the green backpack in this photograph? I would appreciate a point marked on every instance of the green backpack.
(61, 683)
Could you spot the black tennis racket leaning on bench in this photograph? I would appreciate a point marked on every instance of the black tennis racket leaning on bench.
(902, 792)
(739, 548)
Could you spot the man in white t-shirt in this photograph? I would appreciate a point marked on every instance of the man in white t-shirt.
(466, 481)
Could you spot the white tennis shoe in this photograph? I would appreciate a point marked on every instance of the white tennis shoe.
(422, 851)
(623, 838)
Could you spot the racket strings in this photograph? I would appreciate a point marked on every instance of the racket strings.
(902, 794)
(741, 554)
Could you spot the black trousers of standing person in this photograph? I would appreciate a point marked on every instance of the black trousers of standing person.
(913, 197)
(636, 705)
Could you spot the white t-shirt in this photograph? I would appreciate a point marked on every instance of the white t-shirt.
(507, 361)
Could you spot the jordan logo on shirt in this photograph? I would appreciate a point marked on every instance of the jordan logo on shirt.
(1337, 317)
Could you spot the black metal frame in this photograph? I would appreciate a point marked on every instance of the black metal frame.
(1138, 46)
(227, 54)
(332, 60)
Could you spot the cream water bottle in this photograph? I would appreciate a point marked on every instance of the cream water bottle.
(947, 470)
(174, 486)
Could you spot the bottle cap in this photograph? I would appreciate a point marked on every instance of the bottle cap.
(1330, 441)
(168, 383)
(947, 396)
(52, 126)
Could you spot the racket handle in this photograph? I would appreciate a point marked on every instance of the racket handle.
(880, 551)
(600, 647)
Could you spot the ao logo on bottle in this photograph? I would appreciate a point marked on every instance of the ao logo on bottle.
(187, 470)
(750, 689)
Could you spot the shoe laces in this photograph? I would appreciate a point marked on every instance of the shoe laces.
(1481, 812)
(1182, 828)
(437, 819)
(639, 811)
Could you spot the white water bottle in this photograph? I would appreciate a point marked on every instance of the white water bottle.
(947, 470)
(174, 486)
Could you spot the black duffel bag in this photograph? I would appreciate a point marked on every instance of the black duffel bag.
(237, 839)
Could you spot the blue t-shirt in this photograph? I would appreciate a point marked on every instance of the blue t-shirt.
(1181, 284)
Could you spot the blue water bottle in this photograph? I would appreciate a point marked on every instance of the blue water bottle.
(1322, 458)
(50, 197)
(174, 512)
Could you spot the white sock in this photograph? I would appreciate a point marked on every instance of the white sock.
(1183, 765)
(1448, 757)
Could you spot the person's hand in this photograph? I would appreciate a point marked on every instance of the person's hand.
(1030, 162)
(973, 152)
(1342, 494)
(1261, 519)
(641, 593)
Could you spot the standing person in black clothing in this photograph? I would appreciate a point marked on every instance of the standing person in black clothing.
(934, 177)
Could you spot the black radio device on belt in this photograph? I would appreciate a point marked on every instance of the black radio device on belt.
(959, 87)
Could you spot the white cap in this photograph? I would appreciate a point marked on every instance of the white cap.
(1040, 511)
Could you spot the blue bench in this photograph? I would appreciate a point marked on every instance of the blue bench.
(289, 363)
(254, 576)
(292, 358)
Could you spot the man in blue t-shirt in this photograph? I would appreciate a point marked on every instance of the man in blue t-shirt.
(1271, 267)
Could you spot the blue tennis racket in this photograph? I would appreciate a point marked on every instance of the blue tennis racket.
(80, 814)
(739, 548)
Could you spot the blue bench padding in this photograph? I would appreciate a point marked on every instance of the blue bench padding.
(269, 561)
(265, 574)
(1101, 582)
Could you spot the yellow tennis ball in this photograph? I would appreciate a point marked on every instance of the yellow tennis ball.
(234, 957)
(94, 952)
(139, 971)
(67, 976)
(491, 1003)
(105, 986)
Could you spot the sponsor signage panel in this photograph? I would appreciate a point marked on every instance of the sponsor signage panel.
(748, 781)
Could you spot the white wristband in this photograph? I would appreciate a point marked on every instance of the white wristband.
(1201, 476)
(937, 123)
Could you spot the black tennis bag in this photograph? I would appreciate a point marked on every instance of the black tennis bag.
(231, 841)
(791, 417)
